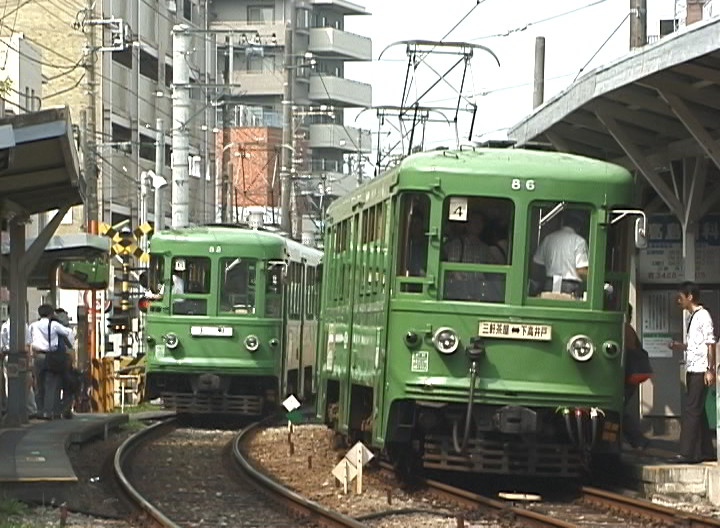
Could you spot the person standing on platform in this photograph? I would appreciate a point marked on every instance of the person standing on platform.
(32, 409)
(45, 336)
(699, 353)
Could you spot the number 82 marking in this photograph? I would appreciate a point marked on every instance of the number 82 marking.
(517, 184)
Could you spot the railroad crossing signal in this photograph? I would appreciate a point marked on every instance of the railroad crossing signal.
(127, 245)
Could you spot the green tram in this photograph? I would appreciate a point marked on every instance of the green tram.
(446, 343)
(232, 326)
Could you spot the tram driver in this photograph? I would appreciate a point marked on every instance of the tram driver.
(563, 254)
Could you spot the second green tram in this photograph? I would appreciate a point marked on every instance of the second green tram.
(448, 340)
(232, 325)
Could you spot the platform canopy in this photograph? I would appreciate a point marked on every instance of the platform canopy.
(39, 168)
(74, 246)
(655, 110)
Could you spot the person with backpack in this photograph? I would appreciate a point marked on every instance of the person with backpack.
(52, 360)
(699, 352)
(637, 371)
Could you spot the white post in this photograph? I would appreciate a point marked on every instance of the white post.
(159, 170)
(359, 466)
(180, 133)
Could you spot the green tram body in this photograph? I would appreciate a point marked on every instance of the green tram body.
(382, 379)
(243, 331)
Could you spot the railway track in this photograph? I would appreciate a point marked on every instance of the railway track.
(609, 509)
(240, 484)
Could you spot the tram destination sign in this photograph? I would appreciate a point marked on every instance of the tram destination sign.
(524, 331)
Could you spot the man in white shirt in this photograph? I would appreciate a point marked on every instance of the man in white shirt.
(699, 352)
(564, 255)
(5, 349)
(45, 335)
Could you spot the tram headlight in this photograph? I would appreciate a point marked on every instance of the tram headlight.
(446, 340)
(274, 342)
(171, 340)
(252, 343)
(611, 349)
(580, 347)
(411, 339)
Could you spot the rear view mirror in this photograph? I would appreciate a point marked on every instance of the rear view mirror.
(641, 232)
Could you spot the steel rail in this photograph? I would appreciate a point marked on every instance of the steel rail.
(295, 502)
(503, 509)
(657, 512)
(135, 497)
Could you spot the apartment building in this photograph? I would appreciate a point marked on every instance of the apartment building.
(254, 63)
(134, 89)
(143, 66)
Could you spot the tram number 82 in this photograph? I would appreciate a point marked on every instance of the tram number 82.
(517, 184)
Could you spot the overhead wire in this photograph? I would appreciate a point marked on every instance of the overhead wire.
(602, 45)
(522, 28)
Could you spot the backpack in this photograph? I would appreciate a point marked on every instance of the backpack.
(637, 366)
(56, 360)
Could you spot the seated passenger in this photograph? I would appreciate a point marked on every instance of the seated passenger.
(471, 247)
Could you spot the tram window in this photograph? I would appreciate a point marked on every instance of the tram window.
(237, 285)
(273, 290)
(190, 275)
(414, 226)
(559, 234)
(477, 230)
(617, 263)
(157, 273)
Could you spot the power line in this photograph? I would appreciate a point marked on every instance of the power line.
(65, 90)
(603, 45)
(537, 22)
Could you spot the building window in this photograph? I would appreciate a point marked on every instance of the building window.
(260, 64)
(121, 138)
(123, 57)
(148, 65)
(187, 10)
(168, 75)
(261, 14)
(147, 147)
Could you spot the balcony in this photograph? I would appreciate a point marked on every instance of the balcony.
(341, 44)
(264, 30)
(347, 139)
(340, 6)
(339, 92)
(262, 83)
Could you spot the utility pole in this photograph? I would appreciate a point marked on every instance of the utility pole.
(539, 78)
(288, 132)
(180, 134)
(159, 169)
(638, 23)
(90, 166)
(91, 181)
(227, 179)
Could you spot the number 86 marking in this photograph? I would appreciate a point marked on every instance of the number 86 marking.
(517, 184)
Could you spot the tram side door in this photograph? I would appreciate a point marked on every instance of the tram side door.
(353, 278)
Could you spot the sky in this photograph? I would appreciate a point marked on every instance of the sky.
(503, 94)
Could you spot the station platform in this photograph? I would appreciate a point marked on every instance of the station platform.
(653, 475)
(37, 452)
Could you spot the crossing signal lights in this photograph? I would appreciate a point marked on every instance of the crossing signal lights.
(119, 323)
(144, 304)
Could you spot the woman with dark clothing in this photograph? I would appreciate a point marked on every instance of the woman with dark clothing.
(637, 370)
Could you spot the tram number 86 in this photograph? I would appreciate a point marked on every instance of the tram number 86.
(517, 184)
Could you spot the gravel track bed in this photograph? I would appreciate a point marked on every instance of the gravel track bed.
(269, 451)
(189, 476)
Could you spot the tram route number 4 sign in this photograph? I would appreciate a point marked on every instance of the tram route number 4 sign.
(350, 467)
